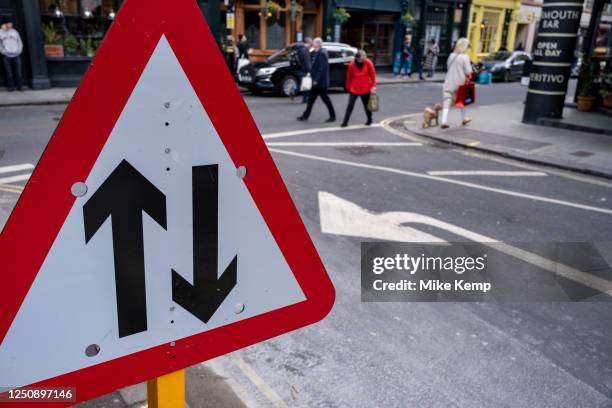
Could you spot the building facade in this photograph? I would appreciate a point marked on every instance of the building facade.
(493, 26)
(62, 36)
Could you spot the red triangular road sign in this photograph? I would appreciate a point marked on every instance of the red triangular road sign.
(165, 256)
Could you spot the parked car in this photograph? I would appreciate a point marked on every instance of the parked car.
(277, 74)
(505, 65)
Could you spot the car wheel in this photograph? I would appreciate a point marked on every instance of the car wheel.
(507, 76)
(289, 85)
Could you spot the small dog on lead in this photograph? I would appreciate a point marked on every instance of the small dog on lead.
(431, 114)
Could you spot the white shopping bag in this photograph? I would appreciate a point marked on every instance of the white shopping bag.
(306, 83)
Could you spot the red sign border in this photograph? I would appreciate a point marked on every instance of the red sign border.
(73, 149)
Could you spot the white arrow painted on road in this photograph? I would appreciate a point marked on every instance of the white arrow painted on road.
(342, 217)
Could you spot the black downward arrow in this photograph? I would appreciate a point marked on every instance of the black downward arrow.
(203, 298)
(123, 196)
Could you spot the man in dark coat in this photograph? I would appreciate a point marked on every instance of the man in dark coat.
(303, 62)
(320, 81)
(417, 59)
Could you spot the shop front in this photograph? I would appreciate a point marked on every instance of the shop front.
(493, 25)
(443, 21)
(269, 25)
(374, 27)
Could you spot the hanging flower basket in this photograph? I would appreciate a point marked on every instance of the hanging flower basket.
(341, 15)
(271, 10)
(296, 11)
(407, 19)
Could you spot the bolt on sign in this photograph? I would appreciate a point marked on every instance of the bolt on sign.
(156, 232)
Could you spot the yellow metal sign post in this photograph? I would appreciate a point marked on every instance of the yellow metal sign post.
(167, 391)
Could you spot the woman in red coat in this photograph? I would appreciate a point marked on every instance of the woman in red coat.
(360, 81)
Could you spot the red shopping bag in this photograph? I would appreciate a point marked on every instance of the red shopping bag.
(466, 94)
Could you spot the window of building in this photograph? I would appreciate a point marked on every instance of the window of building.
(275, 32)
(488, 34)
(252, 22)
(75, 27)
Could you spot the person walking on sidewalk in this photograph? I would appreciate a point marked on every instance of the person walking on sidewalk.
(11, 48)
(417, 59)
(320, 81)
(431, 57)
(360, 81)
(459, 70)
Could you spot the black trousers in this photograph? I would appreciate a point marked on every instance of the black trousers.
(12, 70)
(365, 98)
(312, 97)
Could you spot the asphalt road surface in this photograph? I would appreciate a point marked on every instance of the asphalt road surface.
(406, 354)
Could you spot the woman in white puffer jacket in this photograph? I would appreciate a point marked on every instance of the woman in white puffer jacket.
(458, 69)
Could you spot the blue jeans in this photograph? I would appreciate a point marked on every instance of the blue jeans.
(12, 71)
(405, 67)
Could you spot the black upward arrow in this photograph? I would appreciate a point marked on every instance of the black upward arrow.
(123, 196)
(203, 298)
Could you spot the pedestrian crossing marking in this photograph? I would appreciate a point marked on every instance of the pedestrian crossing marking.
(16, 167)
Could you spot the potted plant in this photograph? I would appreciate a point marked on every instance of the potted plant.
(70, 44)
(53, 45)
(586, 93)
(89, 47)
(341, 15)
(605, 90)
(271, 10)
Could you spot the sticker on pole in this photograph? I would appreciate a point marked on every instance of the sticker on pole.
(156, 231)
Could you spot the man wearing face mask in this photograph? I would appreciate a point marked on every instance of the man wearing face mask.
(360, 82)
(320, 81)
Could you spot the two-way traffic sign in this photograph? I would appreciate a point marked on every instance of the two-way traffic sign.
(156, 231)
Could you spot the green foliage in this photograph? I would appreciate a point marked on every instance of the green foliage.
(605, 86)
(586, 78)
(89, 47)
(407, 18)
(50, 34)
(341, 15)
(70, 44)
(271, 9)
(296, 11)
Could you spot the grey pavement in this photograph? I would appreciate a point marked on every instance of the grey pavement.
(498, 129)
(36, 97)
(405, 354)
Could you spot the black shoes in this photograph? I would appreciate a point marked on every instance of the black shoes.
(330, 120)
(369, 122)
(302, 118)
(344, 124)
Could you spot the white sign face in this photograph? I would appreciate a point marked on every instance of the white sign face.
(128, 273)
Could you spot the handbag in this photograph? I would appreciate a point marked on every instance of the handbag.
(306, 84)
(466, 94)
(373, 102)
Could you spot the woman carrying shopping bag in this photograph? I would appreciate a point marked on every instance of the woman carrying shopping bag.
(360, 82)
(459, 70)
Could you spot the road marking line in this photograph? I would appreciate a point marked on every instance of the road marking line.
(323, 144)
(317, 130)
(14, 179)
(16, 167)
(342, 217)
(267, 391)
(450, 181)
(386, 125)
(487, 173)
